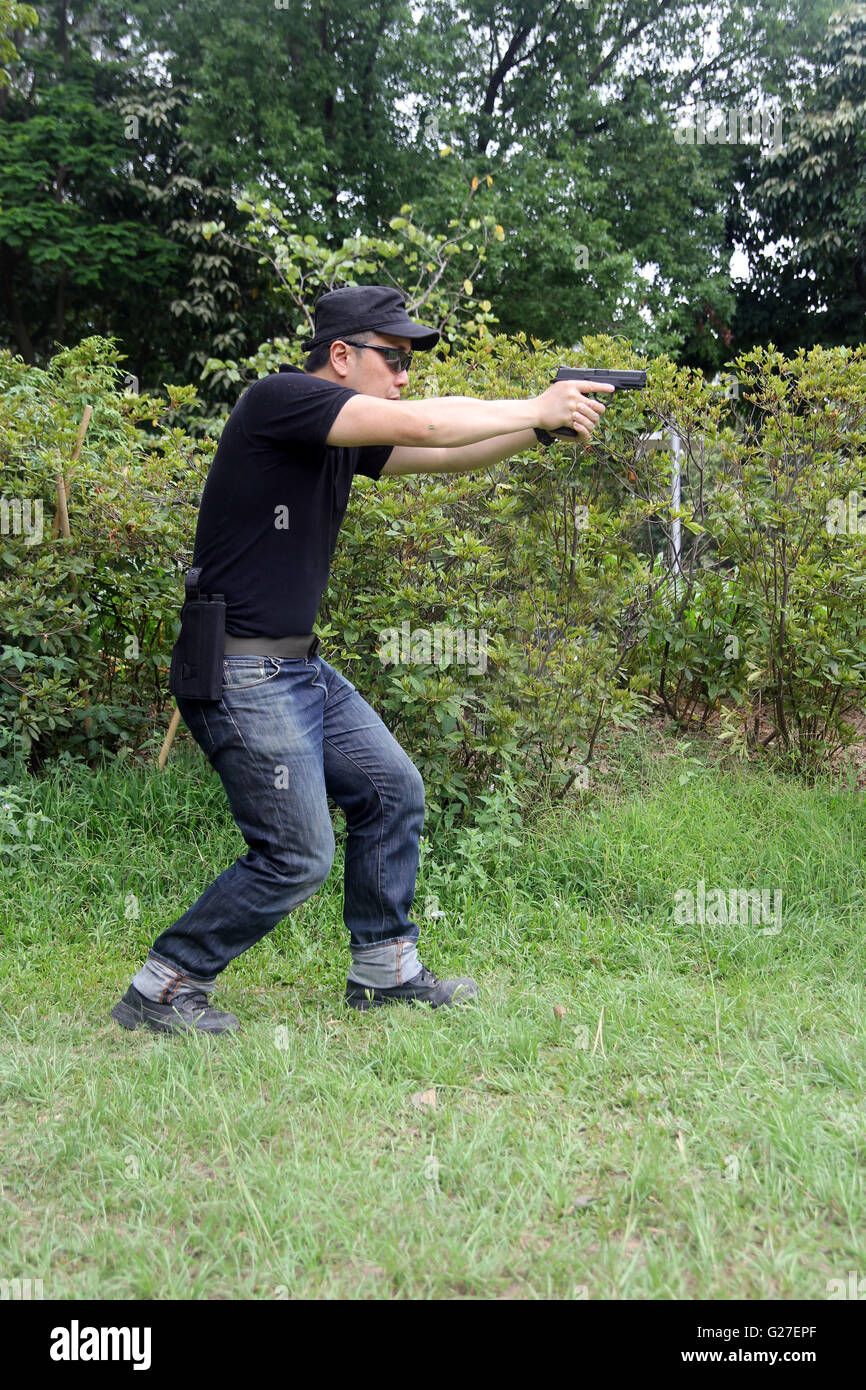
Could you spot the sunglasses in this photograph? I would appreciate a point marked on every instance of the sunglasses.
(398, 359)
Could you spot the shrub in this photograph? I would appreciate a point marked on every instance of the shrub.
(87, 622)
(764, 621)
(500, 621)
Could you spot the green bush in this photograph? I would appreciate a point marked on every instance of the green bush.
(87, 622)
(765, 622)
(800, 576)
(553, 570)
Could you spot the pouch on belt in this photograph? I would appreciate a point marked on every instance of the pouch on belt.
(197, 659)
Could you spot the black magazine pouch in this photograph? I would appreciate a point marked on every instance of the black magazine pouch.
(197, 659)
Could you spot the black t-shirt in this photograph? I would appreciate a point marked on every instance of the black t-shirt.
(274, 502)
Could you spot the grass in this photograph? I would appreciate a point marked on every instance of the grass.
(634, 1108)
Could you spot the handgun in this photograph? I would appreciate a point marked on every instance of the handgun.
(619, 380)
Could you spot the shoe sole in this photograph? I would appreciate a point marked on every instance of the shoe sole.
(129, 1019)
(362, 1002)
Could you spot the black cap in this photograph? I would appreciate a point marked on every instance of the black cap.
(367, 308)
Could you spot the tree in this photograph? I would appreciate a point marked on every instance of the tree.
(14, 18)
(573, 106)
(807, 244)
(343, 112)
(101, 204)
(338, 114)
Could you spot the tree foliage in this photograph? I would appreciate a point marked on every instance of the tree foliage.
(127, 133)
(807, 237)
(13, 18)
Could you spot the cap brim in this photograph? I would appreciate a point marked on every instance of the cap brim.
(419, 334)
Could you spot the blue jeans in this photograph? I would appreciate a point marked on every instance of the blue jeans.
(287, 734)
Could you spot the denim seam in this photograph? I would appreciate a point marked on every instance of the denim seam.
(234, 722)
(172, 965)
(171, 989)
(211, 739)
(314, 685)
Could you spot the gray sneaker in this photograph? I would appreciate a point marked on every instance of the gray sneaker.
(425, 988)
(189, 1011)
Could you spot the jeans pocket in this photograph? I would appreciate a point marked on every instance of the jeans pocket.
(246, 672)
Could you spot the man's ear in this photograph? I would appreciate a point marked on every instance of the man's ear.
(340, 358)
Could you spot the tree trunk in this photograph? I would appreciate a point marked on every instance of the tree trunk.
(13, 308)
(63, 35)
(60, 306)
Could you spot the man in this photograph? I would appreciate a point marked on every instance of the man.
(289, 731)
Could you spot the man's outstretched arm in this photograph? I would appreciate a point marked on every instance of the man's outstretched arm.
(459, 460)
(450, 429)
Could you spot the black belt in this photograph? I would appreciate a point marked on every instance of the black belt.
(271, 646)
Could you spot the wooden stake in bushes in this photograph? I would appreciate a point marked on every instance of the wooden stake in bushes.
(61, 516)
(168, 740)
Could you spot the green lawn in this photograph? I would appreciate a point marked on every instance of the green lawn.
(691, 1126)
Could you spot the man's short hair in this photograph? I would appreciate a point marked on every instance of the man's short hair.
(320, 356)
